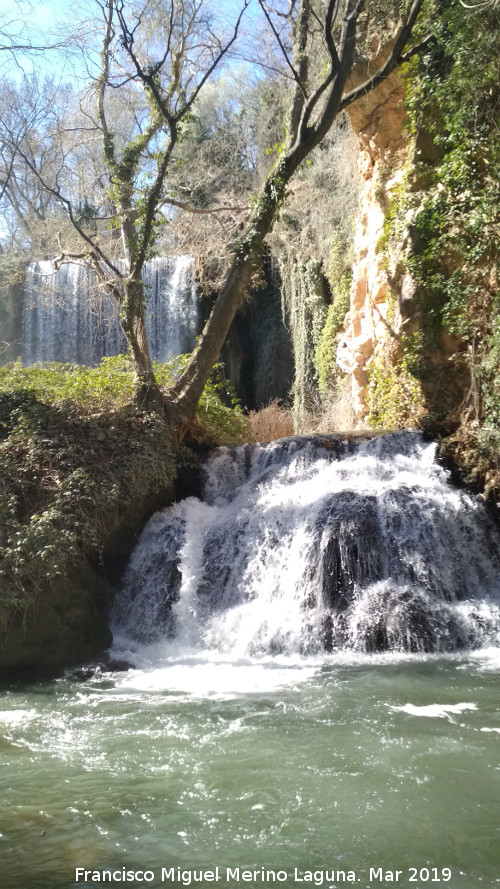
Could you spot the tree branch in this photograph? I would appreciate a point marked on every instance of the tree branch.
(295, 74)
(395, 58)
(190, 209)
(102, 83)
(333, 84)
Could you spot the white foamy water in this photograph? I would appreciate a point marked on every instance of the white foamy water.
(434, 711)
(306, 547)
(305, 694)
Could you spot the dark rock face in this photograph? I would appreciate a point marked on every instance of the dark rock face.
(67, 625)
(258, 354)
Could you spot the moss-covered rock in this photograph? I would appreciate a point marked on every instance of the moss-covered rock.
(65, 625)
(75, 493)
(82, 468)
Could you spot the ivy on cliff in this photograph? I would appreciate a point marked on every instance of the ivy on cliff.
(339, 278)
(451, 194)
(454, 93)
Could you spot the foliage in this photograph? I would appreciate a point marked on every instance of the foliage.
(394, 394)
(75, 452)
(315, 265)
(394, 218)
(325, 354)
(65, 482)
(109, 387)
(219, 418)
(81, 389)
(453, 92)
(305, 307)
(446, 209)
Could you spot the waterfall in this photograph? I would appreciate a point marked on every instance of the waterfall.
(304, 546)
(64, 318)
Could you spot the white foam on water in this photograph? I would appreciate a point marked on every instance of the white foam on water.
(433, 711)
(310, 549)
(206, 676)
(16, 717)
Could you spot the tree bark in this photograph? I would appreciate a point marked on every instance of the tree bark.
(246, 262)
(147, 390)
(312, 118)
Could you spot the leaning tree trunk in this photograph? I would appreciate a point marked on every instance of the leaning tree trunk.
(309, 121)
(246, 262)
(247, 257)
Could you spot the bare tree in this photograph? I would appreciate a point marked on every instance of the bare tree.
(313, 111)
(159, 55)
(19, 39)
(31, 154)
(156, 58)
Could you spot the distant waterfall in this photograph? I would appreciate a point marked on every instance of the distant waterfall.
(65, 319)
(310, 545)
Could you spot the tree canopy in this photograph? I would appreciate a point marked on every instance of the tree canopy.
(95, 176)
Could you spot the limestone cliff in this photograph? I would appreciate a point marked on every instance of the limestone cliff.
(421, 341)
(374, 316)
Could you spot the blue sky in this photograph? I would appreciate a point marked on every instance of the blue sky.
(42, 22)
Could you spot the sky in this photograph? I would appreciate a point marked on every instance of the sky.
(38, 24)
(42, 22)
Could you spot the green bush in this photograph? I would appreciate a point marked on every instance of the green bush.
(76, 451)
(453, 93)
(395, 397)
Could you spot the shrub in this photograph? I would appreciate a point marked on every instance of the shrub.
(271, 422)
(76, 453)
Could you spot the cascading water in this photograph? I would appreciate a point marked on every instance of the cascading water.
(305, 546)
(64, 318)
(239, 744)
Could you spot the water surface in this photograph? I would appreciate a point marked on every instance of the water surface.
(352, 763)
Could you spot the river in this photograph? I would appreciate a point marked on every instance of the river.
(372, 757)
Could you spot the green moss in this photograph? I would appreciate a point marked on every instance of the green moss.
(453, 94)
(325, 354)
(339, 275)
(395, 396)
(305, 307)
(65, 481)
(394, 218)
(76, 454)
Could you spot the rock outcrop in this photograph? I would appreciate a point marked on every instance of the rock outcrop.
(377, 120)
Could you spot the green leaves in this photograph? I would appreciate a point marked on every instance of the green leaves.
(75, 450)
(453, 93)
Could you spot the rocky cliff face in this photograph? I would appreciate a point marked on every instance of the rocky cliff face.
(421, 341)
(375, 315)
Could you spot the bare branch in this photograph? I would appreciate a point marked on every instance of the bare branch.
(395, 58)
(295, 73)
(212, 210)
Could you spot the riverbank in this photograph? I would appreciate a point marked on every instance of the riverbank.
(81, 469)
